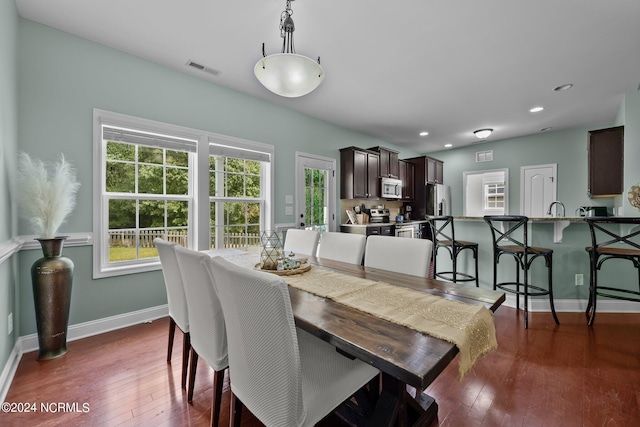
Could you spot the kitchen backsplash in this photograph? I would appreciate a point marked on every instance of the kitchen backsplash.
(393, 206)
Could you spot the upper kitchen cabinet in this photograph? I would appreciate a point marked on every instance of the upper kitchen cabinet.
(606, 154)
(388, 162)
(359, 169)
(406, 173)
(427, 170)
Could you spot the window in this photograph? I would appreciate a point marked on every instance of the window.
(494, 195)
(147, 184)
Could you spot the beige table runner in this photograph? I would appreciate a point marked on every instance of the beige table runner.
(470, 327)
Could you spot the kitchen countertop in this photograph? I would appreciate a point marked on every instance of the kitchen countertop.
(379, 224)
(559, 223)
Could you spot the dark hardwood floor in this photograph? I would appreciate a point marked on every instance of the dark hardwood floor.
(548, 375)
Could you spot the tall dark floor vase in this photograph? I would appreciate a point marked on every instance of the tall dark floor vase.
(51, 277)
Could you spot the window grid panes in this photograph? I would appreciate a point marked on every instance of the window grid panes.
(316, 202)
(147, 196)
(494, 196)
(236, 203)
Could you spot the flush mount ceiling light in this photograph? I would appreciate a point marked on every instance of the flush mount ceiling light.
(483, 133)
(563, 87)
(536, 109)
(287, 73)
(424, 133)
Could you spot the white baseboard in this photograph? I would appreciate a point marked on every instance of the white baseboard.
(9, 370)
(100, 326)
(29, 343)
(574, 305)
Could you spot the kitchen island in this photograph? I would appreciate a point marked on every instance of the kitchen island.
(559, 223)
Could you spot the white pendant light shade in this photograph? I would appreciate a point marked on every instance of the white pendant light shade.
(289, 74)
(483, 133)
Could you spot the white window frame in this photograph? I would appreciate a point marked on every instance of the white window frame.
(199, 206)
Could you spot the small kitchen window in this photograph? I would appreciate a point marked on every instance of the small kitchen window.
(494, 195)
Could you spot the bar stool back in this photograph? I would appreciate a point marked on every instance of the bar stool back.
(612, 238)
(443, 233)
(505, 242)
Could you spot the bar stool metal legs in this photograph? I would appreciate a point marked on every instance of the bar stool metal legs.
(611, 238)
(503, 228)
(443, 233)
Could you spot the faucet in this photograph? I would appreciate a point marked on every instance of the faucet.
(558, 203)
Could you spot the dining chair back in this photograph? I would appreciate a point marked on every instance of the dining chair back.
(176, 300)
(301, 242)
(208, 333)
(345, 247)
(283, 375)
(408, 256)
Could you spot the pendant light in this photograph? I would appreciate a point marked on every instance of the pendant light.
(483, 133)
(287, 73)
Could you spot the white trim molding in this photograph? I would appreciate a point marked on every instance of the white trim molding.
(73, 239)
(29, 343)
(9, 248)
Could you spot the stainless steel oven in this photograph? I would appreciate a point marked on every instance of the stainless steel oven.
(405, 230)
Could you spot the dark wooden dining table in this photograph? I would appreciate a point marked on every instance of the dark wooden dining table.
(404, 356)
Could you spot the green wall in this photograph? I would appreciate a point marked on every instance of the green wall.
(568, 149)
(8, 147)
(63, 77)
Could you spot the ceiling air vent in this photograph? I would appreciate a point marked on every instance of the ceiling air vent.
(201, 67)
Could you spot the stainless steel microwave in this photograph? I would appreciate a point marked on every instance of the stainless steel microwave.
(390, 188)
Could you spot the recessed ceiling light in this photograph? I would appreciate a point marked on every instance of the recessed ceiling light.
(563, 87)
(448, 145)
(536, 109)
(483, 133)
(546, 129)
(424, 133)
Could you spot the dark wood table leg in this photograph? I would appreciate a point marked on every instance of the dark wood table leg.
(396, 407)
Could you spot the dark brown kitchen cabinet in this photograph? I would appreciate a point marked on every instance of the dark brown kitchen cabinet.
(359, 170)
(606, 160)
(406, 173)
(427, 170)
(388, 162)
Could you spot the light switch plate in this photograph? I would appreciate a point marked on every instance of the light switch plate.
(288, 199)
(288, 210)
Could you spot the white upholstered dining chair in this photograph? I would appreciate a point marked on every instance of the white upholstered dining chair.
(176, 300)
(408, 256)
(345, 247)
(301, 242)
(283, 375)
(208, 333)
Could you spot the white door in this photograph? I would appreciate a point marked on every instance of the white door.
(315, 192)
(538, 188)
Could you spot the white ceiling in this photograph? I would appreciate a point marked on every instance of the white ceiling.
(394, 68)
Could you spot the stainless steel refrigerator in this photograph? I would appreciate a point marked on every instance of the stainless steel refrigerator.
(432, 200)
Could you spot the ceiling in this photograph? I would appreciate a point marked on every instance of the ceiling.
(393, 69)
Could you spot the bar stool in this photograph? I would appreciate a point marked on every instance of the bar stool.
(505, 243)
(443, 234)
(609, 244)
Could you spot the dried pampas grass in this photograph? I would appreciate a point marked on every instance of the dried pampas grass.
(46, 200)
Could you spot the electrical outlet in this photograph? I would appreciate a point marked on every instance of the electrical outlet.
(10, 324)
(288, 210)
(579, 279)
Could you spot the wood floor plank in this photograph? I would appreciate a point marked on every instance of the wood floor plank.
(567, 375)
